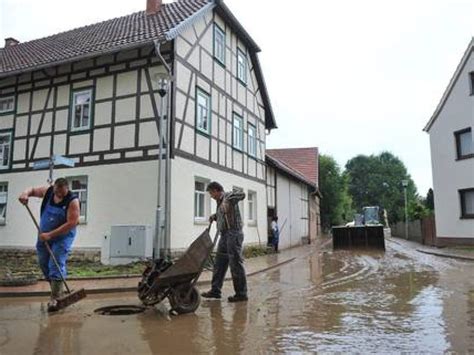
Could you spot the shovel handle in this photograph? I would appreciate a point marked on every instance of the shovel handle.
(51, 254)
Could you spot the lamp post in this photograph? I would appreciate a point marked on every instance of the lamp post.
(163, 81)
(405, 186)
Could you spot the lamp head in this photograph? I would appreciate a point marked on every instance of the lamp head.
(163, 81)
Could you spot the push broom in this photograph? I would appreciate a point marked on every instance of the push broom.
(70, 297)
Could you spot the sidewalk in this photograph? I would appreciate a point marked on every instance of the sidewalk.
(129, 284)
(441, 252)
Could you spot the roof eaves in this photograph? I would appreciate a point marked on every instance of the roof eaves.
(447, 92)
(76, 58)
(184, 25)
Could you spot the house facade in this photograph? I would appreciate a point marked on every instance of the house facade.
(293, 194)
(452, 156)
(93, 94)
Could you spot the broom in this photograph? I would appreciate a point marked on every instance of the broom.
(70, 297)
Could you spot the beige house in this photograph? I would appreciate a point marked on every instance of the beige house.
(452, 156)
(93, 94)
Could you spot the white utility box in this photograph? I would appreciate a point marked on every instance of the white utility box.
(126, 244)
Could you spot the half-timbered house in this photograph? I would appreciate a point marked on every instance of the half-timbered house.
(92, 94)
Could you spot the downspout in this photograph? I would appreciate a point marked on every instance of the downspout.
(164, 244)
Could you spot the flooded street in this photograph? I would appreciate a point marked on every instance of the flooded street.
(398, 301)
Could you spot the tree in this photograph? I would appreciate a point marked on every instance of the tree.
(336, 204)
(429, 200)
(376, 180)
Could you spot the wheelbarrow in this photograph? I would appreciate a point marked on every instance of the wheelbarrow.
(177, 281)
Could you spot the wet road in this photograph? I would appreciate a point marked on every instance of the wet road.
(400, 301)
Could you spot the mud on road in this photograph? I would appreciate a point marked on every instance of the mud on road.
(397, 301)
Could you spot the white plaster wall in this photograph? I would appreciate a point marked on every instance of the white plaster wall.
(450, 175)
(289, 209)
(183, 227)
(117, 194)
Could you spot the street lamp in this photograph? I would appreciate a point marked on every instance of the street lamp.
(162, 229)
(405, 185)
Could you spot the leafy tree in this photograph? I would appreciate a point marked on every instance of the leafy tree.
(376, 180)
(429, 200)
(417, 210)
(336, 204)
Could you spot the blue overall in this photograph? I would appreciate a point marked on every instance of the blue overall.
(53, 216)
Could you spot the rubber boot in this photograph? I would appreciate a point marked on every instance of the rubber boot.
(56, 292)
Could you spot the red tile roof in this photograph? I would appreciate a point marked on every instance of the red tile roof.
(106, 36)
(304, 161)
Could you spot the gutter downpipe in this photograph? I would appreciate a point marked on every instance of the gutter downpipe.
(162, 230)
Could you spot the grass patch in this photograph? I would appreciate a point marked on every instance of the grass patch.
(97, 269)
(255, 251)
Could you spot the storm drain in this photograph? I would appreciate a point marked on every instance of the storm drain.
(121, 310)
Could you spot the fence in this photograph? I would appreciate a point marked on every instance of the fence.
(422, 231)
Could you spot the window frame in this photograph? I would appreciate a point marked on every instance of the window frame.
(207, 201)
(82, 218)
(200, 91)
(3, 220)
(462, 193)
(252, 200)
(237, 117)
(218, 30)
(244, 73)
(471, 83)
(13, 109)
(10, 150)
(255, 141)
(74, 93)
(457, 136)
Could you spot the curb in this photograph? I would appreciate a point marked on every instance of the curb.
(443, 255)
(96, 291)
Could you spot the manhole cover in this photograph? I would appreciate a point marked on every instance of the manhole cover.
(121, 310)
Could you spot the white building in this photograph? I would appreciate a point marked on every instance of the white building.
(92, 94)
(452, 155)
(293, 194)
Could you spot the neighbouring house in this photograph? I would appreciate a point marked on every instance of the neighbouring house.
(93, 94)
(452, 155)
(293, 194)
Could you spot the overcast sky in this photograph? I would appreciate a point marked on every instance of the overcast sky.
(351, 77)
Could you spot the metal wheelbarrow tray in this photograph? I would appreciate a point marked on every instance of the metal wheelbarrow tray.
(177, 281)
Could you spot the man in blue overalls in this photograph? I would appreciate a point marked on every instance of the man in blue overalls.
(60, 212)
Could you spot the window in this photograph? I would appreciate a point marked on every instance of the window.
(464, 144)
(252, 203)
(203, 111)
(252, 137)
(467, 203)
(78, 186)
(471, 81)
(5, 150)
(241, 66)
(3, 202)
(219, 44)
(238, 132)
(201, 201)
(7, 104)
(81, 110)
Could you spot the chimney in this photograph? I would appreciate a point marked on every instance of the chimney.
(10, 42)
(153, 6)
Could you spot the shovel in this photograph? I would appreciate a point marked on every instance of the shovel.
(70, 297)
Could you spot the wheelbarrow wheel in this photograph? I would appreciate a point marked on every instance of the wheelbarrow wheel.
(183, 300)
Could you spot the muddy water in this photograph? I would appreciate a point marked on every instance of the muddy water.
(400, 301)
